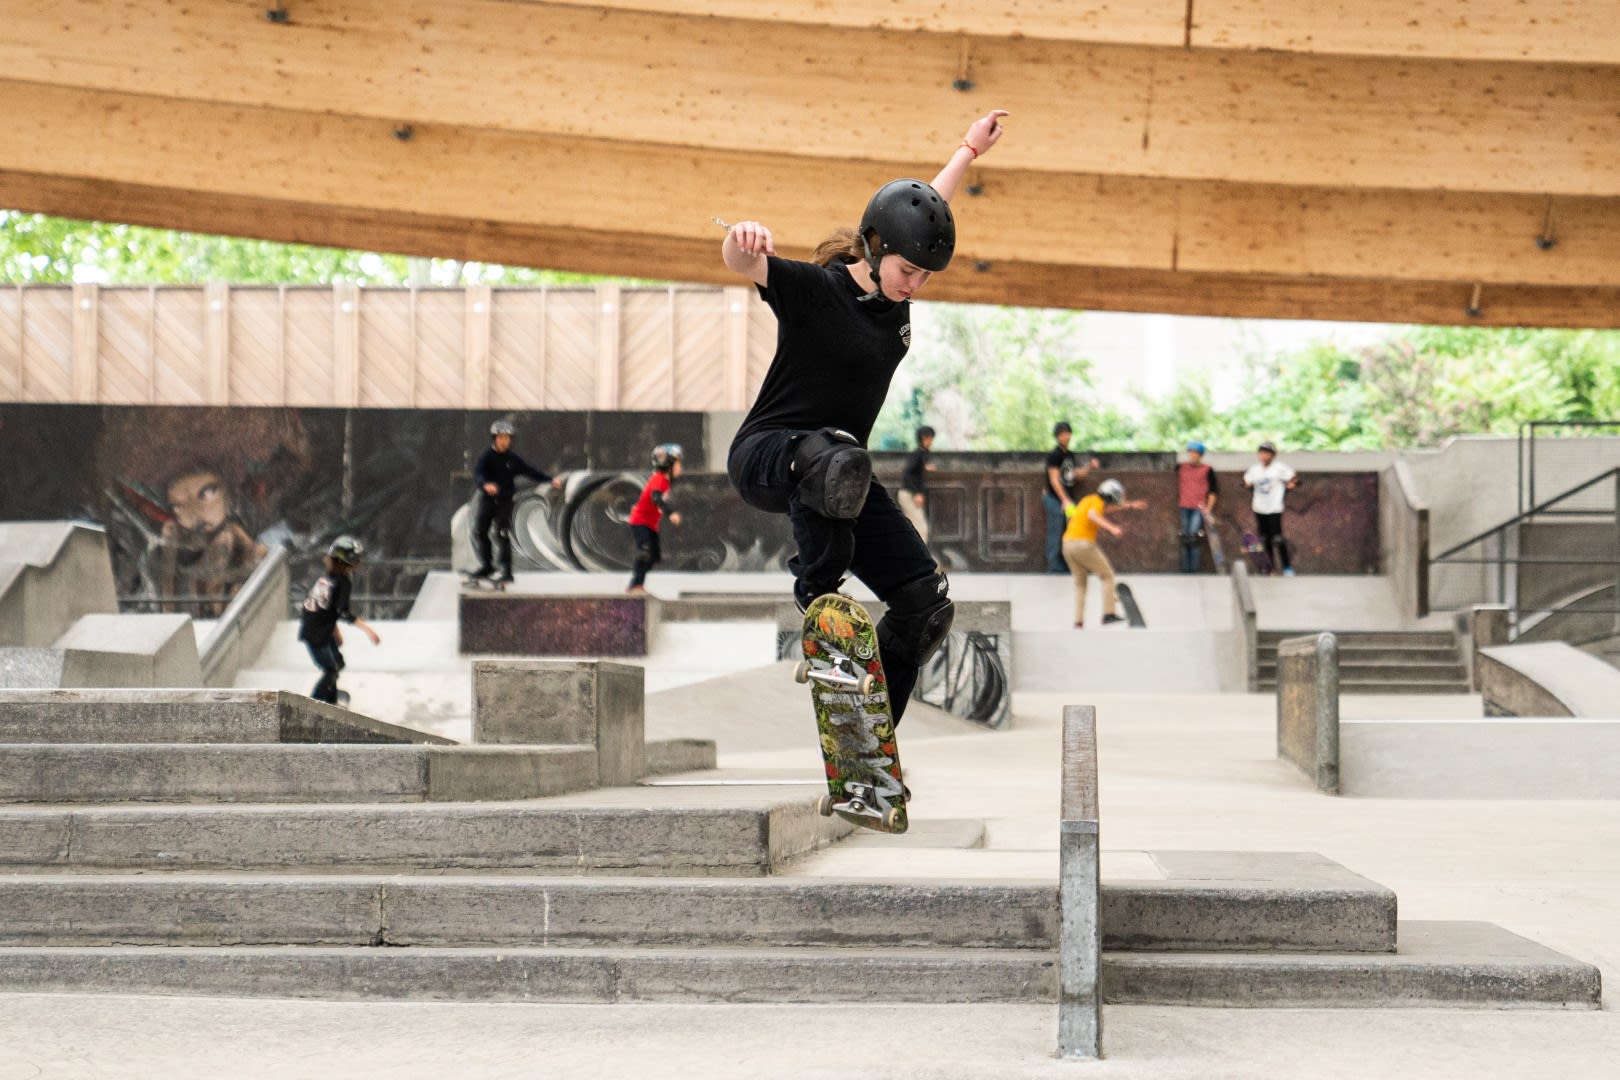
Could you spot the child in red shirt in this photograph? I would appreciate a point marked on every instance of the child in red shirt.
(649, 510)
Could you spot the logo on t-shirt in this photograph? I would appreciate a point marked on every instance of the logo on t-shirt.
(905, 334)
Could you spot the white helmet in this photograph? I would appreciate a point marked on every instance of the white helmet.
(1112, 491)
(502, 427)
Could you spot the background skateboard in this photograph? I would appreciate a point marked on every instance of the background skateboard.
(854, 723)
(1259, 561)
(1127, 600)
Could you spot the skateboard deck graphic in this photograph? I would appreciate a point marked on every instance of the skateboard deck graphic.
(854, 722)
(1127, 600)
(1217, 549)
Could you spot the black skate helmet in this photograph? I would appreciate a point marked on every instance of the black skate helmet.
(666, 454)
(347, 549)
(502, 427)
(911, 221)
(1112, 491)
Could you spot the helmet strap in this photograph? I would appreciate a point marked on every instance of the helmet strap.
(872, 263)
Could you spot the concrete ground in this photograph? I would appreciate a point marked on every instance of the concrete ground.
(1177, 771)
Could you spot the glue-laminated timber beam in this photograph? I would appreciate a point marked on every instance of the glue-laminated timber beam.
(1555, 31)
(716, 84)
(1025, 283)
(498, 181)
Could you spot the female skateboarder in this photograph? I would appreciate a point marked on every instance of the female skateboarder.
(843, 326)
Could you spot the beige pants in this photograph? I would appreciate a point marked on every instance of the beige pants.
(1085, 558)
(917, 515)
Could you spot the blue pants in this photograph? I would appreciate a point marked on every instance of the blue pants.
(329, 658)
(1192, 554)
(1055, 522)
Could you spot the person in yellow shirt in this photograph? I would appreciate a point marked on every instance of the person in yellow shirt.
(1081, 552)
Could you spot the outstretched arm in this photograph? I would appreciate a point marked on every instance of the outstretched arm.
(981, 135)
(746, 245)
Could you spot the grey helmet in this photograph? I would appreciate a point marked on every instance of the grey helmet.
(666, 454)
(347, 549)
(1112, 491)
(502, 427)
(913, 222)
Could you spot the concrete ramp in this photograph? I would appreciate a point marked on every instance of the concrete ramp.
(764, 709)
(51, 574)
(187, 716)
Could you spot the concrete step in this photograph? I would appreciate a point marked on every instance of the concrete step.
(1434, 639)
(646, 830)
(1385, 686)
(1453, 964)
(1377, 655)
(1409, 671)
(189, 716)
(1330, 910)
(181, 772)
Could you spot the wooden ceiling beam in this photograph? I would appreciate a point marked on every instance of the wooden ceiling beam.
(505, 180)
(1168, 113)
(604, 251)
(1553, 31)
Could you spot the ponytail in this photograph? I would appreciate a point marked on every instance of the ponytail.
(843, 246)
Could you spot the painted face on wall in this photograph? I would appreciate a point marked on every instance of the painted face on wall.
(198, 502)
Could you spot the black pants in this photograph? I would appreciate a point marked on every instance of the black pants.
(648, 553)
(1271, 538)
(498, 512)
(879, 547)
(329, 658)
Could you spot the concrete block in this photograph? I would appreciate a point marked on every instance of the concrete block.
(1546, 679)
(525, 624)
(481, 773)
(667, 756)
(51, 573)
(589, 702)
(1308, 707)
(164, 645)
(1481, 758)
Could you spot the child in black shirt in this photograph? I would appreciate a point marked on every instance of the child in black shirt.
(843, 326)
(328, 602)
(496, 477)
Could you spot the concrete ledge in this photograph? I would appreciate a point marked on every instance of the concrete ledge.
(1482, 758)
(1308, 707)
(1546, 679)
(1468, 965)
(51, 573)
(648, 831)
(134, 650)
(666, 757)
(112, 773)
(527, 624)
(187, 716)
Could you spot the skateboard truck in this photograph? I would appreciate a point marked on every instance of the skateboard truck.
(840, 672)
(862, 801)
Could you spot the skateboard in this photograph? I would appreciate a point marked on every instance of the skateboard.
(853, 717)
(343, 699)
(473, 581)
(1259, 561)
(1217, 550)
(1127, 600)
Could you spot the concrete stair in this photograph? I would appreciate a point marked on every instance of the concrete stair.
(1381, 662)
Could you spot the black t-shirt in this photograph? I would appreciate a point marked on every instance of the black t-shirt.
(502, 470)
(834, 354)
(327, 602)
(913, 477)
(1063, 461)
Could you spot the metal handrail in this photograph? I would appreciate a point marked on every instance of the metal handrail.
(1525, 515)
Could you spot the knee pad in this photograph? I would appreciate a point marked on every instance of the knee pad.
(834, 473)
(919, 617)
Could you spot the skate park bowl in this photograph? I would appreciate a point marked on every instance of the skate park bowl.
(1556, 755)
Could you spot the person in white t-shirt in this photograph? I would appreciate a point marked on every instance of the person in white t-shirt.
(1270, 480)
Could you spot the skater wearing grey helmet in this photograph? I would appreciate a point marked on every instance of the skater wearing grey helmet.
(496, 477)
(1081, 552)
(326, 604)
(843, 326)
(649, 511)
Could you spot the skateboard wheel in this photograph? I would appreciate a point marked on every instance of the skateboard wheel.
(891, 818)
(864, 686)
(801, 671)
(824, 806)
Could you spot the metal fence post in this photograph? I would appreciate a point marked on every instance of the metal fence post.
(1080, 922)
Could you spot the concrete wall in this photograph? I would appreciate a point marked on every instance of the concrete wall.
(1481, 758)
(1308, 707)
(51, 573)
(1403, 530)
(247, 623)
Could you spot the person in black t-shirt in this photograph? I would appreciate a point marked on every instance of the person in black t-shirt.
(843, 326)
(913, 496)
(496, 476)
(326, 604)
(1061, 491)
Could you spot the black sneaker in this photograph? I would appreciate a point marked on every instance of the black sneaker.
(1107, 619)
